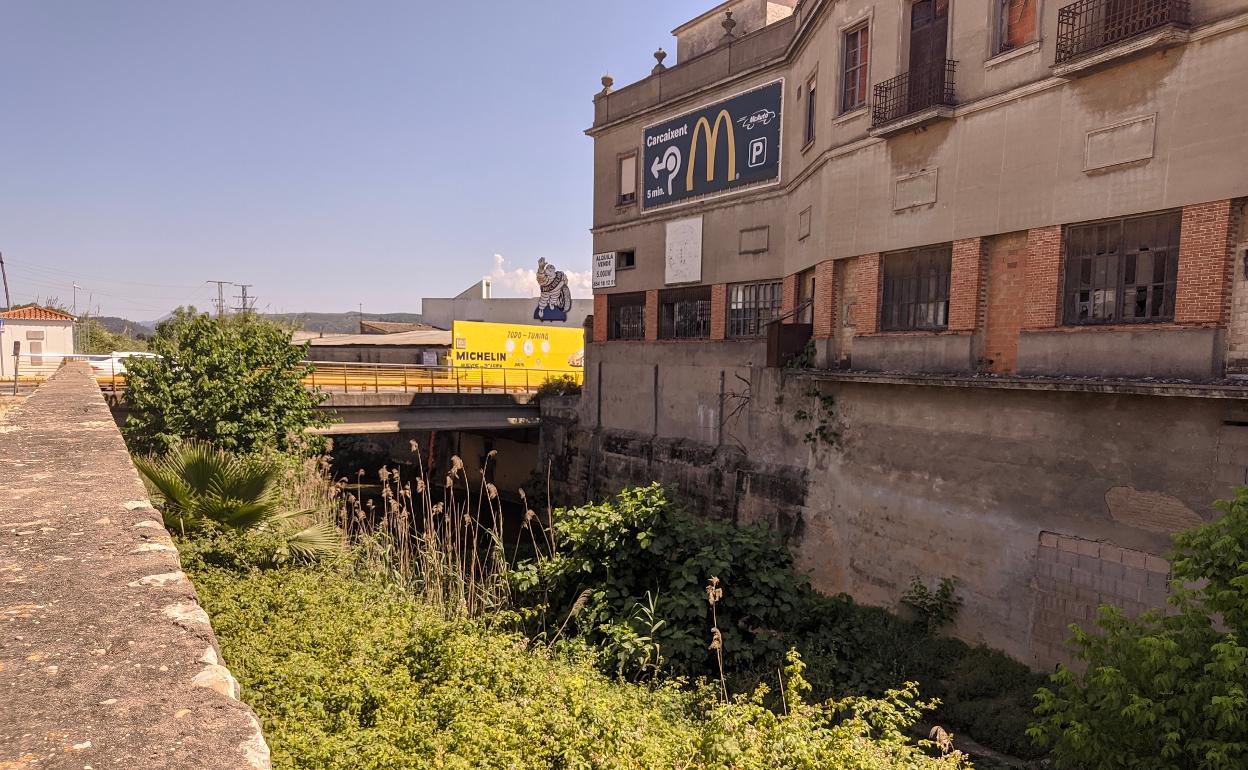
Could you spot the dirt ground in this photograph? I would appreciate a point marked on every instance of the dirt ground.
(7, 403)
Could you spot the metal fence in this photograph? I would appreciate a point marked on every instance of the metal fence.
(923, 86)
(1089, 25)
(412, 378)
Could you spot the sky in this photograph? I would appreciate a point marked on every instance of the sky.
(331, 154)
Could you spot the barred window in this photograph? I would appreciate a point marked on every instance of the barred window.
(685, 313)
(751, 306)
(626, 316)
(1122, 270)
(916, 289)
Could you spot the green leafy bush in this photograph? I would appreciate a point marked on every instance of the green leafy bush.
(235, 382)
(612, 557)
(1169, 690)
(346, 672)
(563, 385)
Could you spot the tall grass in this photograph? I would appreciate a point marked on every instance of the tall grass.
(439, 536)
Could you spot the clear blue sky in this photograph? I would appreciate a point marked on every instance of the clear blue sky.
(329, 153)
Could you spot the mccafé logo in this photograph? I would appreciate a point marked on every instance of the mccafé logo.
(712, 142)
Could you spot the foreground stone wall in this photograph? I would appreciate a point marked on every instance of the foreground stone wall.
(106, 657)
(1043, 501)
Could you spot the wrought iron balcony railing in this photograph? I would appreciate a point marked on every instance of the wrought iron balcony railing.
(913, 91)
(1090, 25)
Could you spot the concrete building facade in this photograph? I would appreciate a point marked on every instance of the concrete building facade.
(1015, 237)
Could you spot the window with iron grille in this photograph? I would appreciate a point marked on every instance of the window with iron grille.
(857, 50)
(685, 314)
(751, 306)
(915, 293)
(1122, 270)
(626, 316)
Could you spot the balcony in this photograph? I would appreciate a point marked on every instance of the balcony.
(914, 98)
(1092, 34)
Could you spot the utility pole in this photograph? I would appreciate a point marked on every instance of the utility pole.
(360, 316)
(74, 342)
(8, 302)
(221, 296)
(245, 303)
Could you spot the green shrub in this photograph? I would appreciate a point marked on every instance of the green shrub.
(613, 556)
(1167, 690)
(347, 672)
(236, 382)
(563, 385)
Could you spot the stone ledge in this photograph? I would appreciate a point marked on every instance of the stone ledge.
(106, 657)
(1139, 387)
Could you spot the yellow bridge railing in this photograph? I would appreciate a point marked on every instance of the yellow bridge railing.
(336, 377)
(412, 378)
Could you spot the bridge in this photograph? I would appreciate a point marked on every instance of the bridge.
(394, 398)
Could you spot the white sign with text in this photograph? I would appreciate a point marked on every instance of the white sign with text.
(684, 251)
(604, 270)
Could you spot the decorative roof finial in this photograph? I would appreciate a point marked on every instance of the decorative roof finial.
(728, 23)
(659, 56)
(607, 82)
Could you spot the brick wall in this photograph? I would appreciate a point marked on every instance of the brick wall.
(867, 301)
(719, 311)
(1042, 277)
(652, 315)
(825, 299)
(965, 274)
(600, 318)
(1006, 285)
(788, 298)
(1201, 292)
(1075, 576)
(846, 294)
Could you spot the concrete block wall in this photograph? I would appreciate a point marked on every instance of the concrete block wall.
(1074, 576)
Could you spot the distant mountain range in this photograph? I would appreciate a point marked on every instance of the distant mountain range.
(329, 323)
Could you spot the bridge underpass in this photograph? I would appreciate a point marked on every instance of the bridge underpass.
(393, 412)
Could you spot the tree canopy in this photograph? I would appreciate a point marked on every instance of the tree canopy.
(234, 382)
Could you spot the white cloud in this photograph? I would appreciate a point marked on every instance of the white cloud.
(523, 281)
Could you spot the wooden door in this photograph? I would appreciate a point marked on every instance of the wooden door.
(929, 32)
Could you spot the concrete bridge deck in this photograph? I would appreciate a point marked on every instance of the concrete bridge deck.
(106, 658)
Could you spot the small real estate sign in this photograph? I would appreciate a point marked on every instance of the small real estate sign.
(480, 345)
(604, 270)
(714, 149)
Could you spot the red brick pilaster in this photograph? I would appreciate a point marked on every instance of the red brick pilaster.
(600, 318)
(965, 276)
(1200, 293)
(719, 311)
(788, 298)
(652, 315)
(825, 299)
(1042, 280)
(867, 294)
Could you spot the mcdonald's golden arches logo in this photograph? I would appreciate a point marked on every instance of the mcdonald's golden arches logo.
(712, 141)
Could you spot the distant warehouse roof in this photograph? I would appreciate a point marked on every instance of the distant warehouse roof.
(428, 337)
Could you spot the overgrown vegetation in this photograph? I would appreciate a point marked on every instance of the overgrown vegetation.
(234, 382)
(622, 565)
(563, 385)
(1168, 690)
(347, 671)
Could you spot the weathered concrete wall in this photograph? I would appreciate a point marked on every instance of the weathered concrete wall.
(106, 658)
(931, 481)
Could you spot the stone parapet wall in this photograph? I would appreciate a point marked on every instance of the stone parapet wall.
(106, 657)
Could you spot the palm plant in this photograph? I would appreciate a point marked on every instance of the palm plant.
(202, 484)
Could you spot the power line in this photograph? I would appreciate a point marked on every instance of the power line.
(245, 303)
(221, 296)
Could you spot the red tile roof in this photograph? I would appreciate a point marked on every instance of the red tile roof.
(36, 313)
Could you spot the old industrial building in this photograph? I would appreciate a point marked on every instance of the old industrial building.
(1014, 233)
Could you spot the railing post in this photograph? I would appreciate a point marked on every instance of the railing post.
(433, 388)
(344, 377)
(404, 378)
(504, 380)
(483, 380)
(376, 375)
(456, 370)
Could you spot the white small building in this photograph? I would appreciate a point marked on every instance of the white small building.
(45, 336)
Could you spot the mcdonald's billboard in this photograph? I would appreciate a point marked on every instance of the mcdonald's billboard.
(715, 149)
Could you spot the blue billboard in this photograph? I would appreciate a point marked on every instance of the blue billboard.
(714, 149)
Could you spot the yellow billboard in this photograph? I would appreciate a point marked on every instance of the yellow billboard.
(479, 345)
